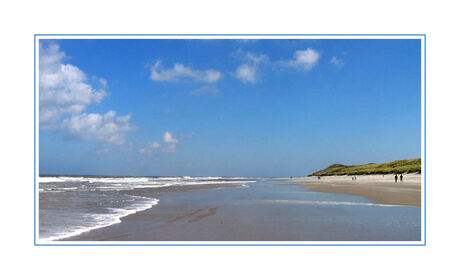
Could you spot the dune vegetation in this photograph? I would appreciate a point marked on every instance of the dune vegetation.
(398, 166)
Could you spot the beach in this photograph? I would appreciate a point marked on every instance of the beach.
(372, 208)
(380, 189)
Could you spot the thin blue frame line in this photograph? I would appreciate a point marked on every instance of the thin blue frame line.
(35, 152)
(171, 35)
(424, 141)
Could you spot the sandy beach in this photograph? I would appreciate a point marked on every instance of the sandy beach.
(380, 189)
(372, 208)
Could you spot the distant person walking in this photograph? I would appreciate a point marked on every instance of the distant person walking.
(400, 178)
(396, 178)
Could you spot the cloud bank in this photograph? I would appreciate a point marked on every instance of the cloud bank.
(65, 92)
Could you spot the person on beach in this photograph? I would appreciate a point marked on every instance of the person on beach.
(396, 178)
(400, 178)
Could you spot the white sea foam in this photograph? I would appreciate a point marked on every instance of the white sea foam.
(208, 178)
(119, 180)
(123, 180)
(182, 183)
(60, 179)
(167, 178)
(57, 189)
(104, 220)
(129, 183)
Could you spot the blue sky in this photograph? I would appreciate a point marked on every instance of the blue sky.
(226, 107)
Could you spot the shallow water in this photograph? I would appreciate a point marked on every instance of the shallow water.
(69, 206)
(209, 210)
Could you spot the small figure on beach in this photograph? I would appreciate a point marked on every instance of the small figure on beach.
(319, 178)
(396, 178)
(400, 178)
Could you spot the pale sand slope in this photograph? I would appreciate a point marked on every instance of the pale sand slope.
(377, 188)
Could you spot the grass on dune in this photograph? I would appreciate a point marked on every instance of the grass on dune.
(398, 166)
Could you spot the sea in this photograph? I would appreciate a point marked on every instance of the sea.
(71, 205)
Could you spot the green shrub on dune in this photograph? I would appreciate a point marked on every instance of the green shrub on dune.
(398, 166)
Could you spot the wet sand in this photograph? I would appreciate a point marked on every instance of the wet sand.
(377, 188)
(265, 211)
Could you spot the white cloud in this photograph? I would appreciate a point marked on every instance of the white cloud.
(248, 72)
(170, 145)
(168, 138)
(105, 128)
(63, 88)
(306, 59)
(65, 92)
(155, 145)
(257, 58)
(151, 147)
(337, 61)
(181, 72)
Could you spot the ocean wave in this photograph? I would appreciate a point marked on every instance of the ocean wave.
(119, 180)
(115, 180)
(110, 184)
(57, 189)
(60, 179)
(104, 220)
(167, 178)
(182, 183)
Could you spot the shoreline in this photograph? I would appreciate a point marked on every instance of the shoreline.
(264, 211)
(282, 209)
(379, 189)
